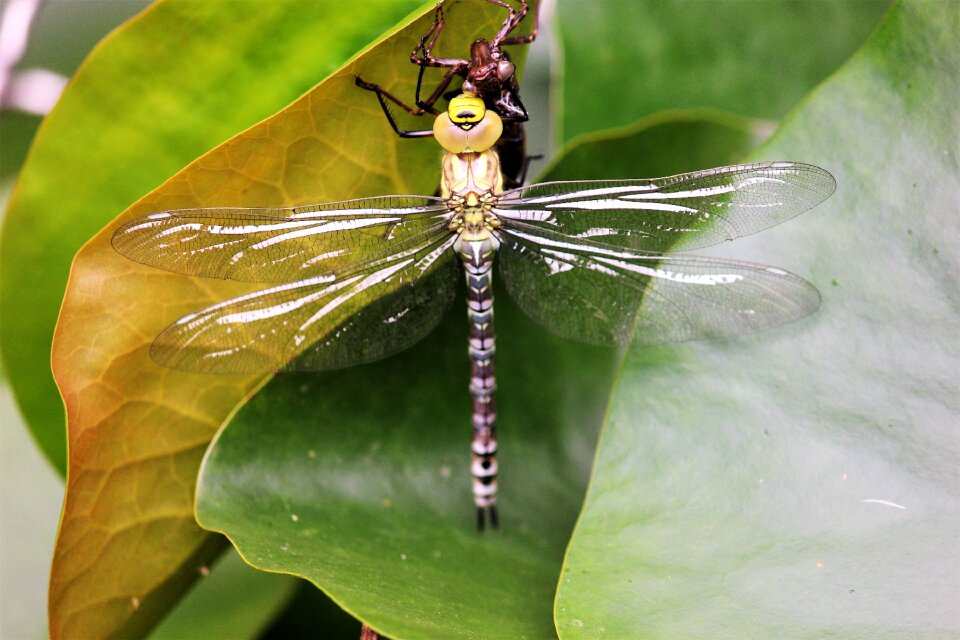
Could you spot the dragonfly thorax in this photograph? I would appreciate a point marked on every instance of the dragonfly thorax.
(471, 182)
(474, 222)
(469, 176)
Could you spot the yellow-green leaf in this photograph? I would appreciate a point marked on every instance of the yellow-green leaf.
(803, 483)
(128, 544)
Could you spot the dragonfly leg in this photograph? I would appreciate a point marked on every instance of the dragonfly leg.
(422, 51)
(428, 104)
(383, 96)
(422, 54)
(514, 21)
(514, 18)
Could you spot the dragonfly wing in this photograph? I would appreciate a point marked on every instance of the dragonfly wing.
(390, 324)
(276, 245)
(603, 294)
(322, 322)
(678, 213)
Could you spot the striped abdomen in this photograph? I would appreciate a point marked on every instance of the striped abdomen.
(483, 387)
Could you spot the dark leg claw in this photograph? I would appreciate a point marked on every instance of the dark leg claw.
(482, 518)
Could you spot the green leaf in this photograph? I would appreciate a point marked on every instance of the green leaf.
(137, 431)
(623, 61)
(358, 480)
(802, 484)
(231, 602)
(177, 80)
(128, 545)
(661, 145)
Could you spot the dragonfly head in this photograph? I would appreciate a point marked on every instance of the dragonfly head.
(467, 126)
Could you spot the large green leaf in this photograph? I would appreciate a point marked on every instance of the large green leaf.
(137, 431)
(666, 143)
(102, 146)
(174, 82)
(358, 480)
(128, 544)
(626, 60)
(803, 484)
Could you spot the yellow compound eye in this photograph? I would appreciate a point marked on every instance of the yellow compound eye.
(477, 138)
(466, 109)
(486, 133)
(451, 137)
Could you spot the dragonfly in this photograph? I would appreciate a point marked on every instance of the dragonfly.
(489, 74)
(597, 261)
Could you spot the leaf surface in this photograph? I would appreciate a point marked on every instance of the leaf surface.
(113, 460)
(128, 544)
(171, 84)
(358, 480)
(803, 484)
(623, 61)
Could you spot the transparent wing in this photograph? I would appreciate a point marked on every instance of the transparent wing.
(322, 322)
(602, 294)
(276, 245)
(683, 212)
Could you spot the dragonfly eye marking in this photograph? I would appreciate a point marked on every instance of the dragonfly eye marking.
(466, 109)
(458, 135)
